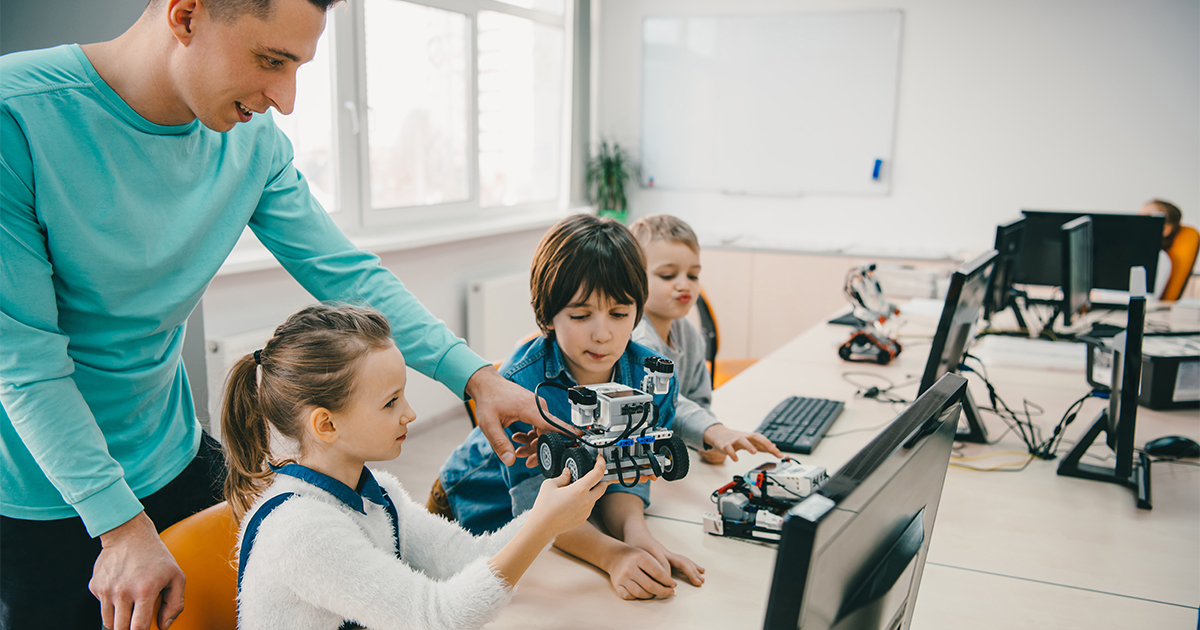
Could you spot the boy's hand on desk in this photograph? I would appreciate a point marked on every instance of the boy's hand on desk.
(666, 558)
(723, 441)
(635, 574)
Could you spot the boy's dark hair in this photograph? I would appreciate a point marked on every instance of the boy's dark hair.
(665, 227)
(586, 253)
(229, 10)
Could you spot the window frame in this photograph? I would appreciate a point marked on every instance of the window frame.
(351, 127)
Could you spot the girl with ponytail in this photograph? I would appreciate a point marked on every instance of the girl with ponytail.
(326, 542)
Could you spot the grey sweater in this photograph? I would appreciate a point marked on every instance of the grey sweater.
(692, 414)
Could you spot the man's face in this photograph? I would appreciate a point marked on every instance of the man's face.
(232, 70)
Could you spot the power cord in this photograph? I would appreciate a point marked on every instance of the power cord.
(875, 392)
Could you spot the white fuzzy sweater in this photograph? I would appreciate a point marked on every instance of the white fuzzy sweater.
(317, 562)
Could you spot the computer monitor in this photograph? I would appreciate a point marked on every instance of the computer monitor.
(1000, 296)
(956, 329)
(1121, 241)
(851, 555)
(1120, 419)
(1077, 268)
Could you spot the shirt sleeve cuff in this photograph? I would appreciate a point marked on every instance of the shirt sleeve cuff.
(109, 508)
(457, 366)
(641, 490)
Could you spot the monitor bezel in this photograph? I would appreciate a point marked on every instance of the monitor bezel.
(965, 273)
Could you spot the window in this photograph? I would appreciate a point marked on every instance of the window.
(435, 110)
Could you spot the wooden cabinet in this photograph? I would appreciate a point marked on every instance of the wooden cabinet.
(762, 299)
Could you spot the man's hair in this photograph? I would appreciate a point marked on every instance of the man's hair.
(664, 227)
(230, 10)
(584, 253)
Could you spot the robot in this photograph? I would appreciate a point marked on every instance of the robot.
(621, 423)
(752, 506)
(870, 341)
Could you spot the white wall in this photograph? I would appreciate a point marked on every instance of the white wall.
(1003, 105)
(437, 275)
(30, 24)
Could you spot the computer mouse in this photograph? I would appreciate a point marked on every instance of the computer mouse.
(1174, 446)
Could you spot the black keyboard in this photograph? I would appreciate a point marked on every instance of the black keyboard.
(797, 424)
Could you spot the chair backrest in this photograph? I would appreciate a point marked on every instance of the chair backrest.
(1183, 257)
(708, 328)
(203, 545)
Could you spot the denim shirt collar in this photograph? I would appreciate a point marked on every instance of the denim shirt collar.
(556, 365)
(369, 488)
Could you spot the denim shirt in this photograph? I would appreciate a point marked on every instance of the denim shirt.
(483, 492)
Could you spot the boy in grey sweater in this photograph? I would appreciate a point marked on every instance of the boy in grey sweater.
(673, 265)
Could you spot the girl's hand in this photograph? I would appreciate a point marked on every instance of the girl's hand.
(562, 506)
(668, 559)
(727, 442)
(635, 574)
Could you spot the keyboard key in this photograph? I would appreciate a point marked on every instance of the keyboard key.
(798, 423)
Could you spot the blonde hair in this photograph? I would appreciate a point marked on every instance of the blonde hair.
(311, 361)
(665, 227)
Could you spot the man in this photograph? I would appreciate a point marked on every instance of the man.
(128, 170)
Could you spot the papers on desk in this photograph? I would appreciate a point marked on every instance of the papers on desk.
(930, 308)
(1019, 352)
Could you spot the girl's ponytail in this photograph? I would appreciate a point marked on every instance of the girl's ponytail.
(247, 438)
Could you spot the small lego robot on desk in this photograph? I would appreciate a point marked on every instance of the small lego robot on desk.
(621, 423)
(753, 505)
(871, 341)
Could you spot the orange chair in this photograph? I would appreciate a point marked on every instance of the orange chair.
(721, 370)
(203, 545)
(1183, 258)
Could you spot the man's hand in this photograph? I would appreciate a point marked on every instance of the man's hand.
(499, 403)
(133, 569)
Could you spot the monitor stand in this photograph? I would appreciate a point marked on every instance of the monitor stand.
(1134, 475)
(976, 433)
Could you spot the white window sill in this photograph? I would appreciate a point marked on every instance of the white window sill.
(250, 255)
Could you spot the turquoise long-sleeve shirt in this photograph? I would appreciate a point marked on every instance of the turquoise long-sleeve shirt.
(111, 228)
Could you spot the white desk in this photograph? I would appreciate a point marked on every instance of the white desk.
(1010, 550)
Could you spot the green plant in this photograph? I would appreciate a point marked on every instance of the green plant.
(608, 172)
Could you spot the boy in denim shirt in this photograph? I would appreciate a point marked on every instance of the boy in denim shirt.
(589, 286)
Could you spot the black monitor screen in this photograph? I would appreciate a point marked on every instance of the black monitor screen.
(1009, 238)
(1077, 267)
(964, 304)
(851, 555)
(1120, 241)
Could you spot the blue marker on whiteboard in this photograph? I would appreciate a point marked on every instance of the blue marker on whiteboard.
(875, 173)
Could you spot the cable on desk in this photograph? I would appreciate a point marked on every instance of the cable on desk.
(1029, 433)
(999, 468)
(873, 392)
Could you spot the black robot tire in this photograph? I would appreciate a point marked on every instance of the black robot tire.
(578, 461)
(551, 447)
(677, 455)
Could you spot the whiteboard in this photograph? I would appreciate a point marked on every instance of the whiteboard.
(781, 105)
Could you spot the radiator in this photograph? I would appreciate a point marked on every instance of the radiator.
(223, 352)
(499, 316)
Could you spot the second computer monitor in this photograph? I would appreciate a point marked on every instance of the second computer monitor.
(1076, 267)
(1009, 240)
(960, 314)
